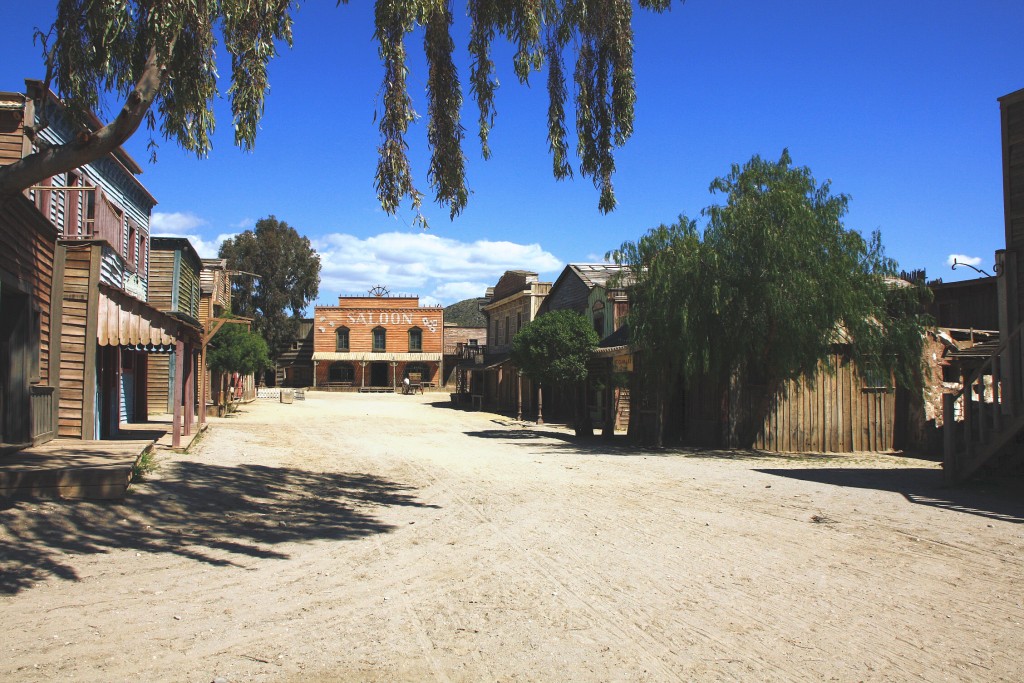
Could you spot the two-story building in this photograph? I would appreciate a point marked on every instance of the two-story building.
(174, 288)
(85, 356)
(516, 299)
(375, 341)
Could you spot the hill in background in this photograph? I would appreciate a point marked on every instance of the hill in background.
(466, 313)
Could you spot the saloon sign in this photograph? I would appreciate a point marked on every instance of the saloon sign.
(385, 318)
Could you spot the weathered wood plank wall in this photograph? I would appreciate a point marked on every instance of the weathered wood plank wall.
(837, 413)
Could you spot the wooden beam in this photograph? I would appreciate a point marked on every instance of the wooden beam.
(179, 369)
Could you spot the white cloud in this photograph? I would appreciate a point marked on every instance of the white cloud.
(173, 224)
(418, 263)
(183, 224)
(243, 224)
(457, 291)
(963, 258)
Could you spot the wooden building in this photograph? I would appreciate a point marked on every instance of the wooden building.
(515, 301)
(294, 364)
(174, 288)
(28, 360)
(574, 290)
(375, 341)
(97, 270)
(983, 421)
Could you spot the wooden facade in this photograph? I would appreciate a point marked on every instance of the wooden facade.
(174, 288)
(515, 301)
(294, 365)
(836, 413)
(374, 341)
(95, 263)
(214, 304)
(27, 390)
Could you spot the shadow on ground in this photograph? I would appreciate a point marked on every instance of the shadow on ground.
(207, 513)
(1002, 500)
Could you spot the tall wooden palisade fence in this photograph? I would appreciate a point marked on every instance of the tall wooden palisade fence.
(836, 413)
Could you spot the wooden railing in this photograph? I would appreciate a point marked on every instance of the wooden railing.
(43, 413)
(991, 411)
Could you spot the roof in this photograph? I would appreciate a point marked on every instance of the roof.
(161, 242)
(597, 274)
(126, 321)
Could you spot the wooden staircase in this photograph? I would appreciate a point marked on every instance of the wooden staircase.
(989, 436)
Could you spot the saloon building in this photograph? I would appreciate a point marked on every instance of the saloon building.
(373, 342)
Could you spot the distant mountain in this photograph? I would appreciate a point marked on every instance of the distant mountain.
(466, 313)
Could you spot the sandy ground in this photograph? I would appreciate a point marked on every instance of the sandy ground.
(386, 538)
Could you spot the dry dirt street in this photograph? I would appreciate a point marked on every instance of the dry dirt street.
(389, 538)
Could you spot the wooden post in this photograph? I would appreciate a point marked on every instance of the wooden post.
(179, 369)
(540, 404)
(190, 380)
(948, 438)
(203, 381)
(997, 407)
(968, 418)
(519, 394)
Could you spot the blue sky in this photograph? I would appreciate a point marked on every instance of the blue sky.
(895, 103)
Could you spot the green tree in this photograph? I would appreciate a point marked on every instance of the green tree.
(236, 349)
(775, 283)
(160, 58)
(287, 271)
(554, 349)
(668, 312)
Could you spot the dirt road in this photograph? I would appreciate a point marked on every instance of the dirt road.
(387, 537)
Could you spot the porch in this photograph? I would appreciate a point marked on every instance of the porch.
(83, 469)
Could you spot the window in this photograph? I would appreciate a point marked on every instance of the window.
(132, 239)
(508, 337)
(415, 339)
(380, 339)
(519, 321)
(341, 372)
(597, 314)
(342, 339)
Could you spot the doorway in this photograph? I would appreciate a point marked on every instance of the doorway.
(379, 375)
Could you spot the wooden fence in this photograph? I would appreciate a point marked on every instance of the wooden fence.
(839, 412)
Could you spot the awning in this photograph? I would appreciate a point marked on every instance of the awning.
(612, 351)
(371, 356)
(126, 321)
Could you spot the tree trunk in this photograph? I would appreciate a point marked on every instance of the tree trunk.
(583, 425)
(46, 163)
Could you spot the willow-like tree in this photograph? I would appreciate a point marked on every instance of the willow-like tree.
(776, 283)
(279, 278)
(160, 58)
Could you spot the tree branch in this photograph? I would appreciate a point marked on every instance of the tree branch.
(88, 147)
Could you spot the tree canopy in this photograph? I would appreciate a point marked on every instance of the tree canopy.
(776, 281)
(554, 348)
(235, 349)
(160, 58)
(287, 278)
